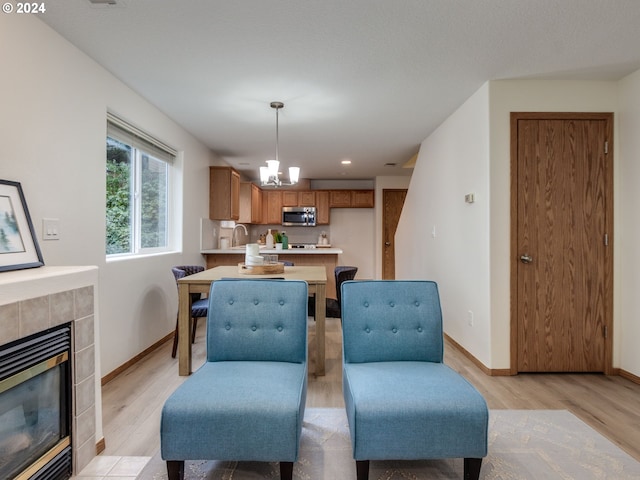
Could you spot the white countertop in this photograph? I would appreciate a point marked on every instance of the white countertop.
(290, 251)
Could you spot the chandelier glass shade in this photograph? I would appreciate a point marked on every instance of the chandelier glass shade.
(269, 175)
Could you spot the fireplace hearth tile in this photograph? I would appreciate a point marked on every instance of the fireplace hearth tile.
(83, 301)
(99, 466)
(83, 332)
(9, 324)
(86, 427)
(34, 315)
(61, 308)
(85, 363)
(85, 395)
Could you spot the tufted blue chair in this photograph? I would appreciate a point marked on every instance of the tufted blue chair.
(246, 403)
(402, 402)
(199, 306)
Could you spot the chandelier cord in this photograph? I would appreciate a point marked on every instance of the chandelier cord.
(277, 131)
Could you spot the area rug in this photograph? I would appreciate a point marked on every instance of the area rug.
(523, 444)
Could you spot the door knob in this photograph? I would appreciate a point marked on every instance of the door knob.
(387, 244)
(526, 258)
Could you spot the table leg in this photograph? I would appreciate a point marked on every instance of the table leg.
(321, 295)
(184, 332)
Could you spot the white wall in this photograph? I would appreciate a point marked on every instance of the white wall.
(628, 225)
(352, 230)
(52, 139)
(470, 152)
(452, 162)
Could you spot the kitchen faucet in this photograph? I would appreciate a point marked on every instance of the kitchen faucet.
(233, 233)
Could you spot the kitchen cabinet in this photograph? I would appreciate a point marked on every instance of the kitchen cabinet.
(272, 202)
(250, 203)
(322, 207)
(351, 199)
(272, 207)
(224, 193)
(339, 198)
(307, 199)
(362, 198)
(289, 198)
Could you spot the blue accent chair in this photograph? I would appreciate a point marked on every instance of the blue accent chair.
(402, 402)
(246, 403)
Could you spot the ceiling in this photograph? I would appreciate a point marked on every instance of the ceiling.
(363, 80)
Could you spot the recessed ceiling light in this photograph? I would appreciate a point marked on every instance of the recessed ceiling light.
(106, 3)
(390, 164)
(346, 162)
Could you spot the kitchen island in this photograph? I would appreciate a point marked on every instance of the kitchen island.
(326, 256)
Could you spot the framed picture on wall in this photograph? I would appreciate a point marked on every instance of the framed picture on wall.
(18, 243)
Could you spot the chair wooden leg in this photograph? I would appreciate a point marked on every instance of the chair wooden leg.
(286, 470)
(175, 342)
(472, 468)
(362, 469)
(175, 469)
(193, 329)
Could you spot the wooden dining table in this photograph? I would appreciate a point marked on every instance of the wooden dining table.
(315, 276)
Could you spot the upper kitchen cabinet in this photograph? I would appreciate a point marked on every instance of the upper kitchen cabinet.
(272, 207)
(224, 193)
(308, 199)
(339, 198)
(250, 203)
(362, 198)
(351, 199)
(321, 202)
(289, 198)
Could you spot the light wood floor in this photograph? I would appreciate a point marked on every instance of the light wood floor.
(132, 401)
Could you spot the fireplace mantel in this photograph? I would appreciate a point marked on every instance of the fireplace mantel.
(36, 299)
(19, 285)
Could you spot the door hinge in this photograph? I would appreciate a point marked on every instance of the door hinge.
(606, 240)
(606, 331)
(606, 147)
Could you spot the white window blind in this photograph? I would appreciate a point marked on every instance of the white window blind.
(124, 132)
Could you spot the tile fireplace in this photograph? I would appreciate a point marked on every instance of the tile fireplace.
(35, 406)
(50, 414)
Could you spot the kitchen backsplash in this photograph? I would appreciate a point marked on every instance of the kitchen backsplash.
(212, 230)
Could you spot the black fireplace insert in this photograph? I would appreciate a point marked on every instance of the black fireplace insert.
(35, 407)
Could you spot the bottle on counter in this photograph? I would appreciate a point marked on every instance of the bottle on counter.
(269, 239)
(285, 240)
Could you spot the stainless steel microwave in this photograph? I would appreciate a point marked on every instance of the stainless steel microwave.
(299, 216)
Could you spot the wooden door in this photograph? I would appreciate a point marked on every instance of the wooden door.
(561, 265)
(392, 202)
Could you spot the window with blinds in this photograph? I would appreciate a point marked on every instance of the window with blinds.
(138, 175)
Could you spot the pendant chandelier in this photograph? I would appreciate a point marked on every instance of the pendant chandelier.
(269, 174)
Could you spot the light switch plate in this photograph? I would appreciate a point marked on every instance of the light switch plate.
(50, 229)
